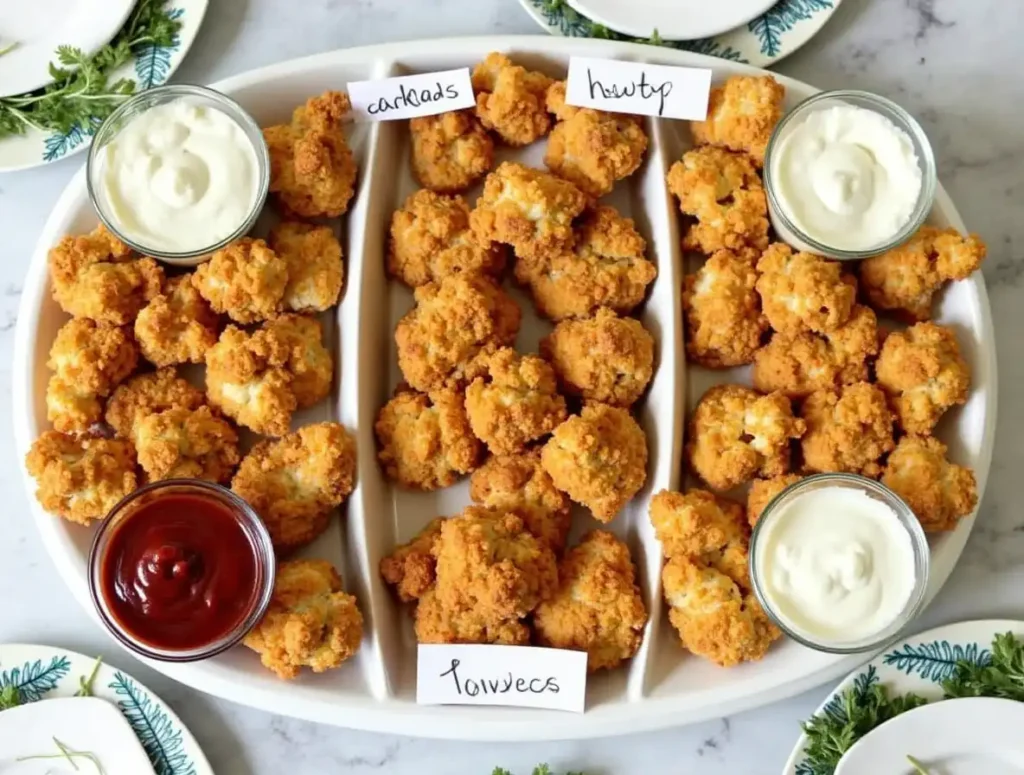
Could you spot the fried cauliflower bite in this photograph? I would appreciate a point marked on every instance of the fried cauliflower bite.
(518, 484)
(456, 326)
(295, 482)
(177, 326)
(437, 622)
(450, 152)
(848, 430)
(801, 291)
(742, 113)
(598, 458)
(519, 404)
(312, 171)
(724, 324)
(736, 434)
(245, 281)
(597, 607)
(187, 444)
(88, 361)
(798, 365)
(715, 618)
(528, 209)
(606, 269)
(148, 394)
(310, 621)
(424, 441)
(80, 478)
(411, 568)
(940, 493)
(906, 278)
(431, 239)
(309, 363)
(510, 100)
(94, 276)
(591, 148)
(923, 372)
(313, 257)
(763, 491)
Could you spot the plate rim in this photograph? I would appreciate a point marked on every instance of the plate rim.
(672, 32)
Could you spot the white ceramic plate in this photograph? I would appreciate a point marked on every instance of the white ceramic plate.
(662, 686)
(121, 722)
(673, 19)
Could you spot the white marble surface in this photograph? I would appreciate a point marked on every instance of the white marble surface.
(954, 63)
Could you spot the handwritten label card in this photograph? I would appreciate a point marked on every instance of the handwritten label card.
(501, 675)
(632, 87)
(407, 96)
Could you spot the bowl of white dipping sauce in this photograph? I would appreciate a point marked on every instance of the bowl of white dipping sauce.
(848, 175)
(839, 562)
(178, 172)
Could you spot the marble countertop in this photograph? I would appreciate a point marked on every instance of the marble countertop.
(950, 62)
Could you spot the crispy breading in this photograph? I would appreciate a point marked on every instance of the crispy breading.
(528, 209)
(607, 268)
(602, 358)
(411, 567)
(245, 281)
(742, 113)
(519, 484)
(801, 291)
(177, 326)
(906, 278)
(737, 433)
(80, 478)
(763, 491)
(597, 608)
(431, 239)
(518, 402)
(456, 325)
(187, 444)
(724, 324)
(510, 99)
(940, 493)
(440, 623)
(924, 374)
(315, 271)
(309, 362)
(312, 171)
(592, 148)
(450, 152)
(848, 430)
(798, 365)
(94, 276)
(599, 458)
(310, 621)
(294, 483)
(424, 441)
(147, 394)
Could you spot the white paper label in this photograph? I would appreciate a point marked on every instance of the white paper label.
(407, 96)
(633, 87)
(501, 675)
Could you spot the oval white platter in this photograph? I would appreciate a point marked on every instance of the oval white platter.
(663, 686)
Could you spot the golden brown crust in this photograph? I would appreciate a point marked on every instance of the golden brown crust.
(315, 271)
(439, 623)
(803, 292)
(148, 394)
(308, 362)
(450, 152)
(510, 99)
(742, 113)
(187, 444)
(411, 567)
(177, 326)
(763, 491)
(940, 493)
(848, 430)
(245, 281)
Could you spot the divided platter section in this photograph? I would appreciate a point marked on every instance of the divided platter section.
(662, 686)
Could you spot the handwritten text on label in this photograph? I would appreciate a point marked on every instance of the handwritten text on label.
(409, 96)
(633, 87)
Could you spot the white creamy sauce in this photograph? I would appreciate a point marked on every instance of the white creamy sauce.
(847, 177)
(836, 565)
(180, 177)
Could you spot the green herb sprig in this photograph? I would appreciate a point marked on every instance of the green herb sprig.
(1002, 677)
(85, 682)
(10, 697)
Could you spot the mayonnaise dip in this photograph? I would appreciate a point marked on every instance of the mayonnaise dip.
(845, 176)
(180, 177)
(835, 565)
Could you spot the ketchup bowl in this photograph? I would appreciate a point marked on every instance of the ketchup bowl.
(181, 570)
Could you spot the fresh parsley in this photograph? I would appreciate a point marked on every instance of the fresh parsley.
(594, 30)
(1002, 677)
(84, 91)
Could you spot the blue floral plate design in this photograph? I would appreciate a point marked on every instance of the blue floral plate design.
(150, 66)
(762, 42)
(918, 664)
(41, 672)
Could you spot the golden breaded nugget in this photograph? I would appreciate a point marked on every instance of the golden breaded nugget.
(187, 444)
(763, 491)
(848, 430)
(440, 623)
(803, 292)
(411, 568)
(450, 152)
(510, 99)
(245, 281)
(177, 326)
(940, 493)
(315, 271)
(148, 394)
(742, 113)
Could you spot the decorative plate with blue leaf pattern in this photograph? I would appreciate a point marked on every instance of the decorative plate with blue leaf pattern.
(762, 42)
(42, 672)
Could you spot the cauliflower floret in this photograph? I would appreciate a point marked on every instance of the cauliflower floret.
(187, 444)
(411, 568)
(801, 292)
(245, 280)
(295, 482)
(848, 430)
(599, 458)
(310, 621)
(81, 478)
(148, 394)
(940, 493)
(742, 113)
(309, 363)
(313, 257)
(510, 99)
(177, 326)
(437, 622)
(450, 152)
(763, 491)
(597, 607)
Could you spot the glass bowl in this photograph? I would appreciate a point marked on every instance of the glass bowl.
(139, 104)
(784, 226)
(918, 540)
